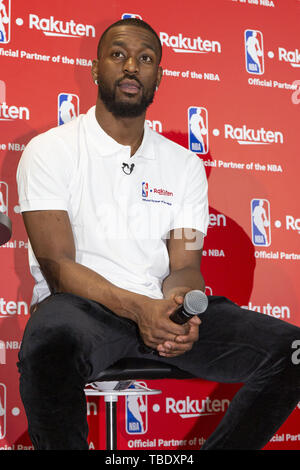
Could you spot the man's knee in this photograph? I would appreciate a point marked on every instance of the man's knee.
(50, 338)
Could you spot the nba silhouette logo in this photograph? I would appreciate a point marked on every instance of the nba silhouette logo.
(136, 413)
(2, 411)
(261, 222)
(254, 52)
(145, 189)
(3, 197)
(67, 107)
(198, 129)
(130, 15)
(5, 21)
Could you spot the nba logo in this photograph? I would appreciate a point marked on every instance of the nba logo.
(2, 411)
(145, 190)
(67, 107)
(254, 52)
(4, 21)
(198, 129)
(261, 222)
(136, 413)
(3, 197)
(130, 15)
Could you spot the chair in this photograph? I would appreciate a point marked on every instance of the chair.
(115, 380)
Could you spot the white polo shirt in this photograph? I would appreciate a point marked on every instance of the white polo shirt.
(120, 220)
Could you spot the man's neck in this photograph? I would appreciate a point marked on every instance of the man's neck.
(125, 131)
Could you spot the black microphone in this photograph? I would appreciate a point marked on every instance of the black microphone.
(127, 169)
(195, 303)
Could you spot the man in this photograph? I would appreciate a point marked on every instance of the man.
(111, 263)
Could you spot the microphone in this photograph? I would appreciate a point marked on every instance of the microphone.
(127, 169)
(195, 303)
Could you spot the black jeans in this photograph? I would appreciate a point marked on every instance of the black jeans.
(69, 340)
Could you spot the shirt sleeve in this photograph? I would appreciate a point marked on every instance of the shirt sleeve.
(192, 212)
(43, 176)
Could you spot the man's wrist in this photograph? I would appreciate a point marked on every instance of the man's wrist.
(134, 305)
(176, 291)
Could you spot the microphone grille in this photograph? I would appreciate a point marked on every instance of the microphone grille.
(195, 302)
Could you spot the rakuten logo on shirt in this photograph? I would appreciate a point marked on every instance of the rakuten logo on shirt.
(147, 191)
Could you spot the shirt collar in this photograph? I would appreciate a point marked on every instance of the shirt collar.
(104, 145)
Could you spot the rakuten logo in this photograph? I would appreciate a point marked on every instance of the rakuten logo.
(192, 408)
(293, 57)
(247, 136)
(10, 308)
(217, 220)
(11, 113)
(277, 311)
(52, 27)
(292, 223)
(190, 45)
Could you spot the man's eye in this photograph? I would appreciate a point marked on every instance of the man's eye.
(118, 54)
(146, 58)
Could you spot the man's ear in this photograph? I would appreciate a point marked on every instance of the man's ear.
(94, 70)
(159, 76)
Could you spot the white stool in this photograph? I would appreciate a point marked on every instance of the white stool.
(111, 395)
(115, 381)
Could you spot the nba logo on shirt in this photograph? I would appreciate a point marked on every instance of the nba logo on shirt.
(3, 197)
(130, 15)
(198, 129)
(68, 107)
(260, 222)
(136, 413)
(4, 21)
(145, 189)
(254, 51)
(2, 411)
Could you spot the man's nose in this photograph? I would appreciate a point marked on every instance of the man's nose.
(131, 65)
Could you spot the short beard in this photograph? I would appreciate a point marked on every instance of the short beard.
(124, 110)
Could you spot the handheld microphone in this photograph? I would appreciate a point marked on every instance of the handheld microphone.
(195, 303)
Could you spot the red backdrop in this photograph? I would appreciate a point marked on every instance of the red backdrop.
(236, 60)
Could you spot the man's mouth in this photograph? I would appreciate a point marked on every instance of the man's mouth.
(130, 86)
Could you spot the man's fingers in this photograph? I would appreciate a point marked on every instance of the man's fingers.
(171, 349)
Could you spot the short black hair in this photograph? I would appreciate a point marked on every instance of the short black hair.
(132, 22)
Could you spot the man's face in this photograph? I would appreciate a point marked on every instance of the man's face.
(128, 70)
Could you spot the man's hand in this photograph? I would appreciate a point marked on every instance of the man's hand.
(161, 333)
(181, 343)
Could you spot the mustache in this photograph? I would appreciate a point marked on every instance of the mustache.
(129, 77)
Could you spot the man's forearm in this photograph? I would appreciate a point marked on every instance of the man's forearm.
(69, 276)
(185, 279)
